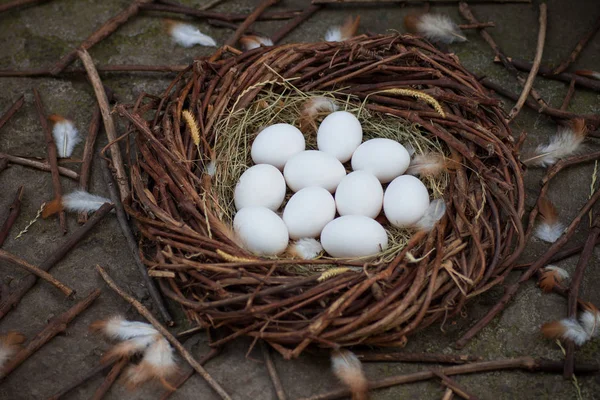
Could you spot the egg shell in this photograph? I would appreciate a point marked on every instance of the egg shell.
(261, 231)
(405, 201)
(276, 144)
(260, 185)
(313, 168)
(339, 134)
(359, 193)
(353, 236)
(384, 158)
(308, 211)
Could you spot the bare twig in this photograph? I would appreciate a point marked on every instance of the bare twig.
(293, 24)
(13, 213)
(19, 3)
(42, 166)
(454, 386)
(249, 21)
(163, 331)
(109, 125)
(3, 164)
(12, 110)
(88, 154)
(412, 1)
(369, 356)
(39, 72)
(536, 63)
(52, 157)
(279, 390)
(80, 381)
(11, 258)
(110, 379)
(478, 25)
(132, 244)
(580, 45)
(173, 7)
(568, 96)
(105, 30)
(54, 327)
(15, 296)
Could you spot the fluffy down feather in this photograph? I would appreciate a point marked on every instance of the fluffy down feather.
(435, 27)
(129, 348)
(567, 141)
(590, 320)
(549, 229)
(250, 42)
(567, 329)
(66, 136)
(187, 35)
(305, 248)
(344, 32)
(434, 213)
(119, 328)
(158, 363)
(80, 200)
(348, 369)
(10, 344)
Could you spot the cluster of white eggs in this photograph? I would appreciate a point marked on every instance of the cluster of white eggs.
(322, 189)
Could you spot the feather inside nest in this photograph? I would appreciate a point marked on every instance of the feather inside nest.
(435, 27)
(348, 369)
(66, 136)
(10, 344)
(567, 141)
(434, 213)
(344, 32)
(567, 329)
(313, 108)
(188, 35)
(305, 248)
(549, 229)
(428, 164)
(250, 42)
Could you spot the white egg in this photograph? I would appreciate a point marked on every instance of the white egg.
(405, 201)
(261, 231)
(359, 193)
(313, 168)
(308, 211)
(384, 158)
(276, 144)
(353, 236)
(261, 185)
(339, 134)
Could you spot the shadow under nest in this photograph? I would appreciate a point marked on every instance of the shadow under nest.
(288, 302)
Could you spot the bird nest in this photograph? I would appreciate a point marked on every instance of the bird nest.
(400, 87)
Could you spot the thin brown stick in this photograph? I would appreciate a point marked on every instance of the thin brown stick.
(80, 381)
(412, 1)
(42, 166)
(103, 69)
(163, 331)
(293, 24)
(12, 110)
(369, 356)
(478, 25)
(11, 258)
(13, 213)
(536, 63)
(279, 390)
(104, 31)
(578, 48)
(173, 7)
(109, 124)
(454, 386)
(133, 247)
(510, 291)
(110, 379)
(584, 259)
(52, 157)
(19, 3)
(249, 21)
(568, 96)
(7, 303)
(88, 155)
(212, 353)
(54, 327)
(3, 164)
(522, 363)
(448, 394)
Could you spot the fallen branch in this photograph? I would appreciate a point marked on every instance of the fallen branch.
(477, 25)
(110, 379)
(12, 110)
(45, 72)
(368, 356)
(11, 258)
(578, 48)
(249, 21)
(19, 3)
(570, 92)
(132, 244)
(163, 331)
(279, 390)
(16, 294)
(13, 213)
(80, 381)
(176, 8)
(109, 124)
(536, 63)
(454, 386)
(522, 363)
(52, 157)
(42, 166)
(54, 327)
(412, 1)
(88, 155)
(293, 24)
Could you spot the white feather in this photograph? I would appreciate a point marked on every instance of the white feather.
(211, 168)
(439, 28)
(348, 369)
(160, 354)
(564, 143)
(429, 164)
(549, 232)
(574, 332)
(590, 320)
(334, 34)
(158, 363)
(307, 248)
(121, 329)
(66, 137)
(434, 213)
(254, 42)
(562, 274)
(188, 36)
(319, 104)
(80, 200)
(6, 353)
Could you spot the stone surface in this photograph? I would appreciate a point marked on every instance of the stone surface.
(37, 36)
